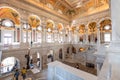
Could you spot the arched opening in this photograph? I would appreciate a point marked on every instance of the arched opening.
(82, 32)
(68, 50)
(92, 31)
(34, 32)
(50, 27)
(39, 61)
(34, 61)
(50, 56)
(60, 54)
(73, 50)
(74, 34)
(9, 64)
(9, 26)
(60, 31)
(105, 31)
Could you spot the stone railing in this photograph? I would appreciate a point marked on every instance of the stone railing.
(60, 71)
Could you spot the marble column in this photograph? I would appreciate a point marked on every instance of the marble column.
(26, 32)
(112, 61)
(98, 36)
(115, 12)
(21, 33)
(44, 36)
(86, 35)
(69, 36)
(16, 34)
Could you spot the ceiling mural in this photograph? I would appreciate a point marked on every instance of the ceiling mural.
(105, 23)
(34, 21)
(92, 27)
(77, 7)
(73, 28)
(60, 27)
(76, 3)
(82, 28)
(9, 13)
(50, 25)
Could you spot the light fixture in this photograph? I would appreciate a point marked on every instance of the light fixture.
(49, 30)
(7, 23)
(39, 28)
(107, 27)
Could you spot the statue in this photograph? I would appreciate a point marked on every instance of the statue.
(27, 56)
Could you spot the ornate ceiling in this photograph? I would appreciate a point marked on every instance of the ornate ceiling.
(67, 9)
(76, 3)
(77, 7)
(7, 13)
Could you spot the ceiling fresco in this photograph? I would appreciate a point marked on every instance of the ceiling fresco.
(11, 14)
(34, 21)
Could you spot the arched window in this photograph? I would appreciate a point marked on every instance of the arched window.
(10, 25)
(105, 31)
(107, 35)
(7, 23)
(9, 64)
(50, 27)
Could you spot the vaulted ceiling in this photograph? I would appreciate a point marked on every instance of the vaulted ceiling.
(78, 7)
(69, 8)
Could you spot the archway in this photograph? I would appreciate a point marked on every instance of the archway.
(50, 56)
(60, 54)
(50, 27)
(34, 60)
(34, 22)
(9, 64)
(82, 32)
(105, 31)
(92, 31)
(60, 32)
(10, 25)
(73, 50)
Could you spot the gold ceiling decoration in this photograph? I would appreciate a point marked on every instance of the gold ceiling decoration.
(104, 23)
(82, 28)
(9, 13)
(34, 21)
(60, 27)
(72, 8)
(92, 27)
(50, 25)
(73, 28)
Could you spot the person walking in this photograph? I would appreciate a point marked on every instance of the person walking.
(23, 72)
(16, 75)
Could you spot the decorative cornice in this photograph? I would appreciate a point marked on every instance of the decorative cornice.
(94, 17)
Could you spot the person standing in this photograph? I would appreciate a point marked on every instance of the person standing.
(23, 72)
(16, 75)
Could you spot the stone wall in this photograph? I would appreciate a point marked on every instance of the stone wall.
(43, 51)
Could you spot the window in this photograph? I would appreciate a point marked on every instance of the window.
(39, 37)
(9, 64)
(7, 38)
(7, 23)
(24, 36)
(49, 37)
(107, 37)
